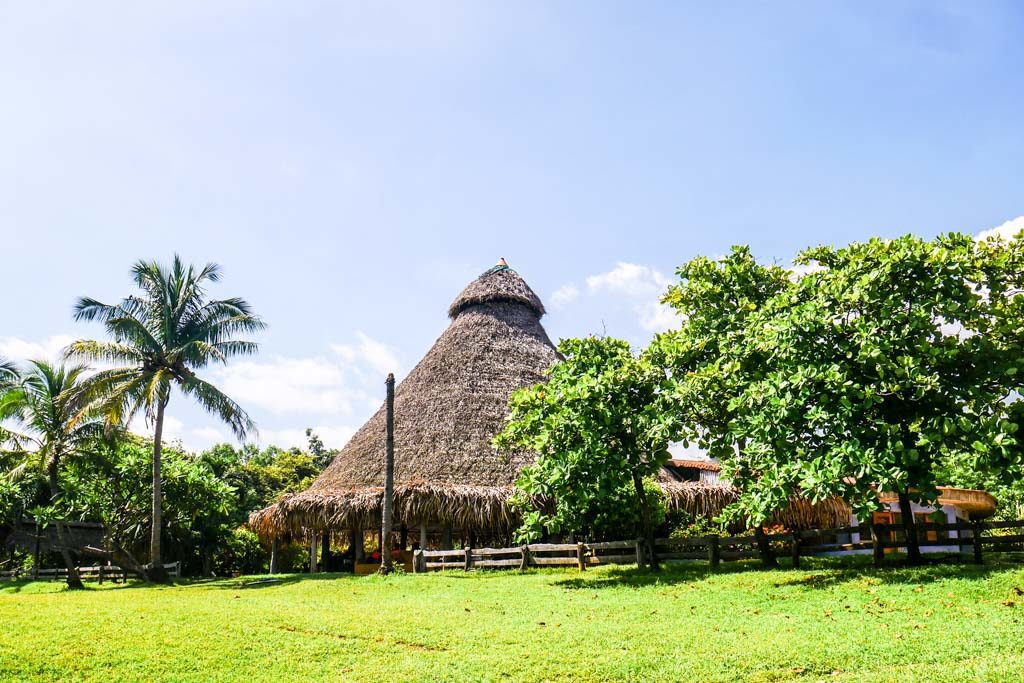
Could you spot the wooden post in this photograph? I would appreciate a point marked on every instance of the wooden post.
(325, 551)
(312, 554)
(416, 558)
(36, 554)
(877, 545)
(795, 550)
(976, 538)
(714, 551)
(524, 563)
(274, 556)
(101, 574)
(764, 548)
(389, 475)
(469, 558)
(639, 553)
(423, 535)
(358, 551)
(581, 558)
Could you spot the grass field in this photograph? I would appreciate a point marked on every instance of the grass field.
(844, 622)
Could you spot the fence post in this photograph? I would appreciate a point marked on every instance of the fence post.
(764, 548)
(639, 554)
(976, 534)
(469, 558)
(36, 553)
(581, 558)
(877, 546)
(525, 562)
(795, 550)
(714, 551)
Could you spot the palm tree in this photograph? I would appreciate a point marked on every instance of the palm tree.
(160, 338)
(46, 402)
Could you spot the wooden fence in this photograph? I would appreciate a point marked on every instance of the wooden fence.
(101, 572)
(967, 538)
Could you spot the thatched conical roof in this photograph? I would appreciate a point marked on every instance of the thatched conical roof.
(447, 410)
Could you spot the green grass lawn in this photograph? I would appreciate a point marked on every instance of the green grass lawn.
(834, 621)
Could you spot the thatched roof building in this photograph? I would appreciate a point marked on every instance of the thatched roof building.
(447, 410)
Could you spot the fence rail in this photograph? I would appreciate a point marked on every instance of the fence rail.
(100, 572)
(967, 538)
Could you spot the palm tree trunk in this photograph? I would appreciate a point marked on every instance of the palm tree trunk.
(645, 521)
(157, 572)
(74, 579)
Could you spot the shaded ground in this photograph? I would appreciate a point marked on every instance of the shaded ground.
(834, 620)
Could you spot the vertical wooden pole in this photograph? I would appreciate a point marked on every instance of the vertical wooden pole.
(764, 548)
(877, 545)
(325, 551)
(976, 538)
(416, 557)
(312, 553)
(581, 558)
(639, 553)
(389, 476)
(469, 558)
(714, 551)
(359, 543)
(274, 553)
(423, 535)
(525, 561)
(36, 554)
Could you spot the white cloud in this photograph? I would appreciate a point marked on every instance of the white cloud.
(20, 350)
(630, 279)
(332, 436)
(338, 384)
(657, 317)
(643, 284)
(378, 356)
(565, 295)
(1007, 230)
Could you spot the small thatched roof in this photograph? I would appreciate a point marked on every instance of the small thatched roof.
(447, 410)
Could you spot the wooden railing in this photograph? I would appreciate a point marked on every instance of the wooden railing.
(968, 538)
(100, 572)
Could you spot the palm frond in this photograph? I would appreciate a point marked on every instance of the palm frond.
(217, 402)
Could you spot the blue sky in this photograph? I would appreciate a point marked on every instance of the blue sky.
(353, 165)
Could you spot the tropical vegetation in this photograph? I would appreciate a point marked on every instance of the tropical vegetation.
(160, 338)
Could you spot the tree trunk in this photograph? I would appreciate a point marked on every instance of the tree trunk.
(157, 573)
(645, 522)
(74, 580)
(909, 528)
(389, 476)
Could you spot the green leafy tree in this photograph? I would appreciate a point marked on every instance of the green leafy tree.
(113, 485)
(161, 337)
(708, 358)
(879, 366)
(598, 427)
(322, 456)
(46, 404)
